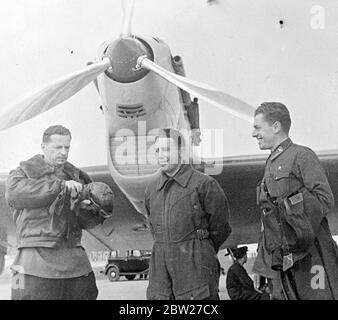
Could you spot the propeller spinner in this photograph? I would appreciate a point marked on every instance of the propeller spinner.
(125, 60)
(123, 54)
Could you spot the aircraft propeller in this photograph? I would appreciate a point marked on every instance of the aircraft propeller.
(60, 90)
(217, 98)
(49, 96)
(128, 9)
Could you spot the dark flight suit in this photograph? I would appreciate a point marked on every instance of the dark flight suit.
(240, 286)
(303, 248)
(188, 216)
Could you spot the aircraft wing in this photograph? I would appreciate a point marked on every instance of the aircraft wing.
(239, 178)
(126, 229)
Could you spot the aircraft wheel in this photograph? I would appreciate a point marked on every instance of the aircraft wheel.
(130, 276)
(113, 273)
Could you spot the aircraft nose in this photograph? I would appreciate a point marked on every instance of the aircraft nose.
(123, 54)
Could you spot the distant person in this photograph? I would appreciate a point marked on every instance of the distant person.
(295, 198)
(238, 283)
(188, 215)
(51, 263)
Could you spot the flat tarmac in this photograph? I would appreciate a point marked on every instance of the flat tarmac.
(119, 290)
(122, 289)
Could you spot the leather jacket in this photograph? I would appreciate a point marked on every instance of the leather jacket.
(41, 205)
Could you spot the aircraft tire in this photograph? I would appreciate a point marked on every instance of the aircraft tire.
(113, 273)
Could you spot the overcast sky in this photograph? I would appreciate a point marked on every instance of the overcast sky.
(238, 46)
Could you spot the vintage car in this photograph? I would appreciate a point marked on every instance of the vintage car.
(133, 263)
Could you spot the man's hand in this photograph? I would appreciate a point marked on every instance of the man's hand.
(86, 205)
(260, 283)
(267, 290)
(73, 187)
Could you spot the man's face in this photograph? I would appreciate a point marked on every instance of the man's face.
(56, 149)
(168, 156)
(264, 132)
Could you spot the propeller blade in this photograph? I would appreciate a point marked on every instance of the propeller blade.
(50, 95)
(128, 10)
(219, 99)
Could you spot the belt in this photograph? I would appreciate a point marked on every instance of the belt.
(199, 234)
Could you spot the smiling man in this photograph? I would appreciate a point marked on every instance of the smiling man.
(188, 215)
(295, 197)
(51, 263)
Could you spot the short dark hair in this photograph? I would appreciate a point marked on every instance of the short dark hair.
(275, 111)
(57, 129)
(175, 135)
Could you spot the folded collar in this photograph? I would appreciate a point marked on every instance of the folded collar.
(281, 148)
(36, 167)
(182, 177)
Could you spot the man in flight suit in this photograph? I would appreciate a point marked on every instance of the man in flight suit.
(295, 198)
(188, 215)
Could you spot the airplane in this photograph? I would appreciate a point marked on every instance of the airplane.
(123, 108)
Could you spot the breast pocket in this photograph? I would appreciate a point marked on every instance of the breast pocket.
(185, 215)
(278, 184)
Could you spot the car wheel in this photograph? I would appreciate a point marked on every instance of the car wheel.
(130, 276)
(113, 273)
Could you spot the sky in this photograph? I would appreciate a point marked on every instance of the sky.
(238, 46)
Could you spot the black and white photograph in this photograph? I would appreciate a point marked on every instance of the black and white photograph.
(169, 150)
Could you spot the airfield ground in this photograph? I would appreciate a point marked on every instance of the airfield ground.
(123, 289)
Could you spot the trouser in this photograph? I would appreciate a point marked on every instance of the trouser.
(27, 287)
(184, 271)
(276, 289)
